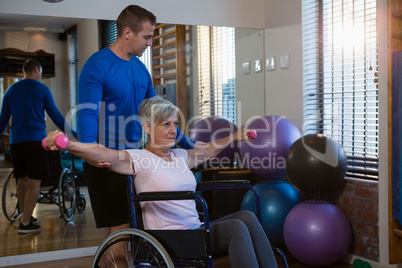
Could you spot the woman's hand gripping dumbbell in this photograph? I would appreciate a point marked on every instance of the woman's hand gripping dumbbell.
(252, 134)
(60, 141)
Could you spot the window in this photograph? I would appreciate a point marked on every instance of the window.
(216, 70)
(340, 83)
(107, 32)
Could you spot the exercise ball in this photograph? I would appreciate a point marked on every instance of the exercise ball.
(316, 163)
(277, 198)
(317, 234)
(214, 128)
(265, 156)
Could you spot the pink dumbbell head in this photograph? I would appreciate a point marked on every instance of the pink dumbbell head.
(44, 144)
(61, 142)
(252, 133)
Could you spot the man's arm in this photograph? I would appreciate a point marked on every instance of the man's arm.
(90, 94)
(183, 141)
(5, 114)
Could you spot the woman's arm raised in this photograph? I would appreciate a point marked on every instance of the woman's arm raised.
(200, 154)
(96, 154)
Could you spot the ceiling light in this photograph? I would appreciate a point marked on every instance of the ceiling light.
(52, 1)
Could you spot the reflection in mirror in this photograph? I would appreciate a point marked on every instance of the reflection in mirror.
(202, 87)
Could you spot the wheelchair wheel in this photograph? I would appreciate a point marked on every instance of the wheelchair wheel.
(11, 208)
(82, 203)
(136, 248)
(67, 195)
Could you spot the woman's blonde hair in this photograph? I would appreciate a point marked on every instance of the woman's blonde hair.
(156, 110)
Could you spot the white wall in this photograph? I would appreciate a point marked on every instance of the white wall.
(284, 87)
(282, 13)
(250, 92)
(88, 43)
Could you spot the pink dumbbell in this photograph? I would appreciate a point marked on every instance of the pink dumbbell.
(252, 134)
(61, 142)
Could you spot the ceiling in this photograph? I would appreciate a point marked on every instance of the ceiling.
(12, 20)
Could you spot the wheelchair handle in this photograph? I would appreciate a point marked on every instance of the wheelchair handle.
(61, 142)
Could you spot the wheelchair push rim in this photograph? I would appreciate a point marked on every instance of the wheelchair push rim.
(138, 249)
(11, 208)
(67, 195)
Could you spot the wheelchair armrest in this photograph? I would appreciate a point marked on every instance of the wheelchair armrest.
(223, 184)
(232, 184)
(158, 196)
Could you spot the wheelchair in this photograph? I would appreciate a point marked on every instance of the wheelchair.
(60, 188)
(167, 248)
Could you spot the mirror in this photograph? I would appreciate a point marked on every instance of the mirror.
(80, 237)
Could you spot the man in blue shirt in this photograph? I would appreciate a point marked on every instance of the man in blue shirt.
(112, 85)
(26, 102)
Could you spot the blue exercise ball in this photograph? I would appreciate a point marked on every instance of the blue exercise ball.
(277, 199)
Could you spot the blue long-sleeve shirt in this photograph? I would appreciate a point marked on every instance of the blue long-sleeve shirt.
(110, 93)
(26, 102)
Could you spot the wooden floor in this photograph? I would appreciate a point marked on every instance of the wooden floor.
(85, 262)
(65, 238)
(56, 234)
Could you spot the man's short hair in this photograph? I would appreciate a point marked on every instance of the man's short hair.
(133, 16)
(30, 65)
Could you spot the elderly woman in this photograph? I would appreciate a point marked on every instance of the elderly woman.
(160, 168)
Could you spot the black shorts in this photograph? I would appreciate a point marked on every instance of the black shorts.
(29, 159)
(108, 192)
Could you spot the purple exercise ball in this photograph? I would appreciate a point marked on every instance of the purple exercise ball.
(214, 128)
(265, 156)
(317, 233)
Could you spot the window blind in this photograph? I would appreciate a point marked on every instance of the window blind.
(107, 32)
(216, 70)
(339, 78)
